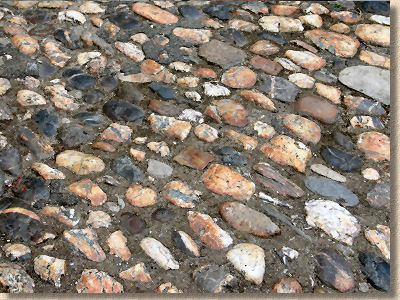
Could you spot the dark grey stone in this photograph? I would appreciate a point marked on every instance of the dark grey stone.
(47, 121)
(10, 161)
(179, 242)
(325, 76)
(189, 12)
(233, 36)
(230, 155)
(211, 278)
(70, 40)
(93, 96)
(74, 135)
(89, 119)
(132, 223)
(218, 10)
(128, 91)
(341, 160)
(376, 269)
(124, 167)
(279, 88)
(33, 190)
(376, 7)
(275, 37)
(123, 111)
(343, 140)
(125, 20)
(163, 215)
(35, 144)
(82, 82)
(162, 90)
(46, 69)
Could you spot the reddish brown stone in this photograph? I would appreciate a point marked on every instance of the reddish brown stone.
(232, 112)
(336, 43)
(304, 45)
(222, 54)
(346, 16)
(375, 145)
(284, 10)
(375, 59)
(117, 243)
(266, 65)
(264, 47)
(329, 92)
(117, 133)
(86, 189)
(287, 286)
(248, 142)
(242, 25)
(25, 43)
(244, 218)
(222, 180)
(180, 194)
(85, 240)
(154, 13)
(264, 130)
(205, 73)
(156, 71)
(140, 196)
(239, 77)
(206, 133)
(303, 128)
(259, 98)
(137, 273)
(194, 36)
(340, 28)
(210, 233)
(193, 157)
(286, 151)
(306, 59)
(96, 282)
(103, 146)
(137, 154)
(47, 172)
(379, 196)
(212, 112)
(318, 108)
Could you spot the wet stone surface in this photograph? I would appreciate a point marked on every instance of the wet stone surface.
(195, 147)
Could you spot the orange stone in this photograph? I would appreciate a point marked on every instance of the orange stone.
(340, 28)
(205, 73)
(374, 34)
(136, 273)
(140, 196)
(264, 47)
(180, 194)
(232, 112)
(284, 10)
(194, 36)
(306, 59)
(239, 78)
(206, 133)
(266, 65)
(242, 25)
(156, 71)
(85, 240)
(104, 146)
(248, 142)
(222, 180)
(303, 128)
(346, 16)
(259, 98)
(170, 126)
(287, 286)
(137, 154)
(375, 59)
(286, 151)
(96, 282)
(154, 13)
(329, 92)
(375, 145)
(193, 157)
(117, 243)
(25, 44)
(86, 189)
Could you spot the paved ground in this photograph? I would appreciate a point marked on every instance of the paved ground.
(169, 147)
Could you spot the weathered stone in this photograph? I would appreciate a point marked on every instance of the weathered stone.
(79, 163)
(215, 90)
(68, 38)
(210, 233)
(376, 270)
(375, 59)
(163, 215)
(279, 88)
(313, 20)
(131, 50)
(248, 259)
(246, 219)
(264, 47)
(316, 8)
(16, 251)
(117, 243)
(286, 151)
(306, 59)
(305, 46)
(180, 194)
(123, 111)
(222, 180)
(124, 167)
(303, 128)
(25, 44)
(380, 19)
(39, 146)
(29, 98)
(71, 16)
(329, 92)
(169, 126)
(336, 43)
(222, 54)
(104, 146)
(5, 85)
(374, 34)
(91, 7)
(333, 219)
(137, 154)
(275, 182)
(61, 98)
(230, 155)
(280, 24)
(137, 273)
(333, 270)
(318, 108)
(140, 196)
(340, 28)
(302, 80)
(132, 223)
(206, 133)
(193, 36)
(259, 98)
(212, 278)
(185, 243)
(85, 240)
(159, 147)
(86, 189)
(380, 238)
(93, 281)
(346, 16)
(61, 214)
(379, 196)
(154, 13)
(193, 158)
(370, 174)
(287, 285)
(375, 145)
(15, 279)
(248, 142)
(168, 288)
(218, 10)
(371, 81)
(239, 77)
(159, 169)
(98, 219)
(266, 65)
(205, 73)
(232, 112)
(366, 122)
(264, 130)
(159, 253)
(50, 268)
(117, 133)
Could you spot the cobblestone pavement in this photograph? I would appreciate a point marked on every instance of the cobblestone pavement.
(194, 146)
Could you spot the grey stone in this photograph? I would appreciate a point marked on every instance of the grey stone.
(279, 88)
(222, 54)
(158, 169)
(124, 167)
(371, 81)
(376, 270)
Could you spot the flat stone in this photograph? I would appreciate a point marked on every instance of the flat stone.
(159, 169)
(50, 268)
(10, 161)
(180, 194)
(230, 155)
(163, 215)
(375, 145)
(194, 158)
(140, 196)
(154, 13)
(29, 98)
(189, 11)
(246, 219)
(374, 34)
(248, 259)
(264, 47)
(316, 8)
(61, 98)
(371, 81)
(64, 215)
(279, 88)
(32, 189)
(380, 19)
(55, 55)
(159, 147)
(284, 10)
(257, 97)
(275, 37)
(248, 142)
(374, 59)
(98, 219)
(329, 173)
(125, 20)
(302, 80)
(379, 196)
(333, 270)
(169, 126)
(366, 122)
(212, 278)
(306, 59)
(132, 223)
(47, 121)
(152, 70)
(206, 133)
(185, 243)
(124, 167)
(93, 281)
(222, 54)
(376, 7)
(239, 77)
(218, 10)
(266, 65)
(117, 133)
(193, 36)
(287, 64)
(123, 111)
(5, 85)
(89, 119)
(133, 51)
(376, 269)
(341, 160)
(303, 128)
(331, 190)
(15, 279)
(332, 218)
(85, 240)
(74, 135)
(137, 273)
(346, 16)
(313, 20)
(215, 90)
(287, 285)
(280, 24)
(275, 182)
(162, 90)
(69, 39)
(318, 108)
(117, 243)
(305, 46)
(340, 28)
(16, 251)
(129, 92)
(25, 44)
(222, 180)
(264, 130)
(336, 43)
(86, 189)
(168, 287)
(330, 92)
(370, 174)
(159, 253)
(380, 238)
(242, 25)
(286, 151)
(343, 140)
(210, 233)
(91, 7)
(39, 146)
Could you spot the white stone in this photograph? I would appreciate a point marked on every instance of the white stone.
(249, 259)
(327, 172)
(130, 50)
(71, 16)
(5, 85)
(280, 24)
(287, 64)
(91, 7)
(332, 218)
(180, 66)
(380, 19)
(291, 253)
(302, 80)
(85, 57)
(191, 115)
(159, 253)
(195, 96)
(370, 174)
(215, 90)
